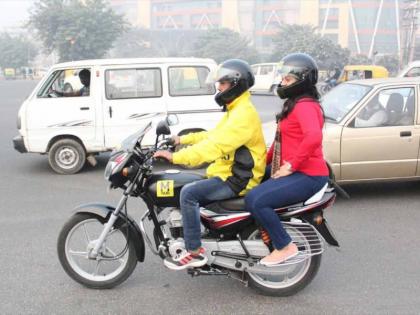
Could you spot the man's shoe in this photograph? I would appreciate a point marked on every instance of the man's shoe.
(186, 260)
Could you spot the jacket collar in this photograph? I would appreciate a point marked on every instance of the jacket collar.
(244, 96)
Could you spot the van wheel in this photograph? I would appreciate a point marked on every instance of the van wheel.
(67, 156)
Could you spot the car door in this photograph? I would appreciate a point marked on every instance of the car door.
(132, 97)
(53, 110)
(385, 145)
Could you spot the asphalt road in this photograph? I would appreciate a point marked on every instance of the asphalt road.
(377, 270)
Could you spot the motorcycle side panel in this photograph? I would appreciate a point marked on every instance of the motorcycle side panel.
(103, 210)
(165, 188)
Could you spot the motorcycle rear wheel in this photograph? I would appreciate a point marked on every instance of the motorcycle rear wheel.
(282, 285)
(77, 238)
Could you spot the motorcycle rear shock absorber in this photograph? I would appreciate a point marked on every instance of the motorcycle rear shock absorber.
(266, 239)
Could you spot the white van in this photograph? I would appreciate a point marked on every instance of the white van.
(266, 77)
(73, 124)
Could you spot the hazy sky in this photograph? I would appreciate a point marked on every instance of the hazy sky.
(13, 12)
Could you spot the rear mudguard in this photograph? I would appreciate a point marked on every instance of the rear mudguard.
(326, 233)
(321, 227)
(104, 210)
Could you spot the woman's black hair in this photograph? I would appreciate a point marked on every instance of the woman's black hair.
(290, 103)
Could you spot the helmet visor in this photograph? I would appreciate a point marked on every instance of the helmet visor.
(222, 74)
(294, 71)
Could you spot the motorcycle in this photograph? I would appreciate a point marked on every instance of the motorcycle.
(100, 245)
(329, 83)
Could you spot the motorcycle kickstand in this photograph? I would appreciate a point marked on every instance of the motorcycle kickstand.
(195, 272)
(248, 255)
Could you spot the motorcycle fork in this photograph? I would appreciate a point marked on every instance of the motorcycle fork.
(108, 226)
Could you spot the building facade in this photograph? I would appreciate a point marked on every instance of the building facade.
(366, 27)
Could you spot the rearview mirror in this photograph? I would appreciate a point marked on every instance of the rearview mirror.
(163, 128)
(172, 119)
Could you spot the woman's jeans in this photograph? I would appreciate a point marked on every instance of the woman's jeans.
(275, 193)
(194, 195)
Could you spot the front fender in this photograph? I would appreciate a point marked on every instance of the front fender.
(103, 210)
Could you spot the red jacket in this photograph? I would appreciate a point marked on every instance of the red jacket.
(301, 139)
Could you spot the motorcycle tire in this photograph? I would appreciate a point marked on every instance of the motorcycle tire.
(270, 288)
(75, 272)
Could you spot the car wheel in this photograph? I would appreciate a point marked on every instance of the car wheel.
(67, 156)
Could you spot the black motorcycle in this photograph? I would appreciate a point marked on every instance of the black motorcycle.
(100, 245)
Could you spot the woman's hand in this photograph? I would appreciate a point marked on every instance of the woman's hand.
(163, 154)
(284, 170)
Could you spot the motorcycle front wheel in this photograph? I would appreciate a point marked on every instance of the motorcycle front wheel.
(116, 259)
(295, 277)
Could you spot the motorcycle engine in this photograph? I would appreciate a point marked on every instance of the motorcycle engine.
(176, 247)
(174, 222)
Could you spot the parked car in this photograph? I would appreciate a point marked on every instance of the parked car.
(124, 95)
(267, 77)
(412, 70)
(372, 130)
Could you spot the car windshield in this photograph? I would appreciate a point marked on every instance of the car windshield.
(340, 101)
(129, 142)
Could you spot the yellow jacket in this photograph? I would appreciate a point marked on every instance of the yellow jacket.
(236, 147)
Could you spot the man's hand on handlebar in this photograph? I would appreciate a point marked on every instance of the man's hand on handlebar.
(163, 154)
(175, 140)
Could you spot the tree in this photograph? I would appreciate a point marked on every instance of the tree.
(391, 62)
(360, 59)
(15, 52)
(139, 42)
(76, 29)
(302, 38)
(222, 44)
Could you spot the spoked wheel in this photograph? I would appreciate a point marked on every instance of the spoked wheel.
(297, 274)
(115, 262)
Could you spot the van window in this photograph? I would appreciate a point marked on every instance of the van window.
(133, 83)
(265, 70)
(184, 81)
(254, 70)
(67, 83)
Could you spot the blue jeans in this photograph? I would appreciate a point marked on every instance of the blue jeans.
(194, 195)
(274, 193)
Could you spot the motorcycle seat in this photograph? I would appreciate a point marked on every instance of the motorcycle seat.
(238, 204)
(227, 206)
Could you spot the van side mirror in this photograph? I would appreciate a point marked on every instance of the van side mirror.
(172, 120)
(163, 128)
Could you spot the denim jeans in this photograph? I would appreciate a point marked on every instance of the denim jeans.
(194, 195)
(274, 193)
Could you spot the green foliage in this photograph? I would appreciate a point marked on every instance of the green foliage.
(222, 44)
(360, 59)
(135, 43)
(391, 62)
(139, 42)
(15, 52)
(303, 39)
(76, 29)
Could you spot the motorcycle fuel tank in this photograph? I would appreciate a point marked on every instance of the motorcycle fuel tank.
(165, 187)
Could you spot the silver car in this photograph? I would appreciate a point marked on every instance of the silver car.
(372, 130)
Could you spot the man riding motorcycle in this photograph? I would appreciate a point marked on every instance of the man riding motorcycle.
(236, 149)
